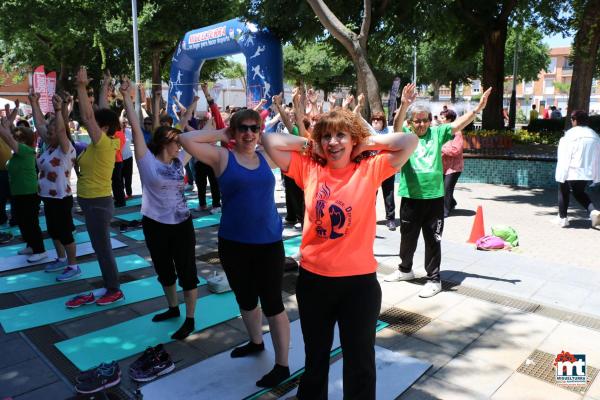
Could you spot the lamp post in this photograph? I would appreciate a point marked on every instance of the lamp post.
(512, 113)
(136, 59)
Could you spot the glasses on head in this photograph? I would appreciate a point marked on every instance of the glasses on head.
(245, 128)
(420, 121)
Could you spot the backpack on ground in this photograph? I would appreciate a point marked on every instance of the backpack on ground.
(490, 242)
(506, 233)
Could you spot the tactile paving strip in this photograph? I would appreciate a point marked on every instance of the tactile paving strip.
(402, 321)
(540, 365)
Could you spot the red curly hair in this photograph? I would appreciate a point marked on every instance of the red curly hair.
(341, 120)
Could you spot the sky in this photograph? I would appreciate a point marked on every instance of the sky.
(558, 41)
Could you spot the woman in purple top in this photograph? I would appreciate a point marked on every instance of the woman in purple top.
(166, 221)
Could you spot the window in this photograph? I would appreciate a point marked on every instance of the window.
(552, 66)
(548, 86)
(528, 87)
(567, 65)
(476, 86)
(233, 82)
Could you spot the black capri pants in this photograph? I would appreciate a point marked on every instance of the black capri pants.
(59, 219)
(173, 251)
(254, 271)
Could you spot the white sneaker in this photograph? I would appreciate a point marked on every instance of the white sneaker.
(25, 251)
(595, 217)
(398, 276)
(37, 257)
(562, 222)
(430, 289)
(215, 210)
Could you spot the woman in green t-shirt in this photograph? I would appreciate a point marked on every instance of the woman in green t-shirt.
(24, 187)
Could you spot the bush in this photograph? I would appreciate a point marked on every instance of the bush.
(525, 136)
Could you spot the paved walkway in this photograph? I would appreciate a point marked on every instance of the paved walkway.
(475, 345)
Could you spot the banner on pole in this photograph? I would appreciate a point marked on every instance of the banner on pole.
(45, 85)
(392, 100)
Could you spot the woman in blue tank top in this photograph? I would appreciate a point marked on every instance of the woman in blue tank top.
(250, 245)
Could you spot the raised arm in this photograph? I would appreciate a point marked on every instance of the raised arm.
(398, 145)
(187, 115)
(38, 116)
(6, 134)
(182, 108)
(360, 105)
(103, 96)
(139, 143)
(277, 100)
(85, 108)
(299, 103)
(460, 123)
(279, 147)
(409, 94)
(15, 111)
(59, 125)
(200, 145)
(260, 105)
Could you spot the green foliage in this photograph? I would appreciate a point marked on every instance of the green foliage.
(562, 87)
(532, 52)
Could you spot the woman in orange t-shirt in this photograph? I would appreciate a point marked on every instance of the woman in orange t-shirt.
(337, 281)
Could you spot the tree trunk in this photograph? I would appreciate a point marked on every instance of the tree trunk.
(453, 92)
(156, 88)
(366, 81)
(62, 83)
(585, 50)
(436, 91)
(493, 75)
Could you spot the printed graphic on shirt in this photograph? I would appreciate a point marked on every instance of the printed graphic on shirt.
(338, 213)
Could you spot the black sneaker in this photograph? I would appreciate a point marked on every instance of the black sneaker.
(90, 373)
(391, 224)
(158, 365)
(146, 357)
(100, 380)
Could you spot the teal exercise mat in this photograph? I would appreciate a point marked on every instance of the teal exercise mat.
(192, 203)
(136, 215)
(32, 280)
(14, 230)
(52, 311)
(292, 246)
(134, 336)
(11, 250)
(134, 201)
(199, 223)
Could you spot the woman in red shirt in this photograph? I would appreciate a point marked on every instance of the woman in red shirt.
(337, 281)
(453, 162)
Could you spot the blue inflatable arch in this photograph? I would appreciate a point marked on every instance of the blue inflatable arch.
(264, 60)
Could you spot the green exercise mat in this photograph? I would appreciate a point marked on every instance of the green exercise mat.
(14, 230)
(134, 336)
(292, 246)
(32, 280)
(11, 250)
(51, 311)
(199, 223)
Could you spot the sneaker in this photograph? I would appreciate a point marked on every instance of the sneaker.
(189, 188)
(5, 237)
(595, 217)
(81, 300)
(562, 222)
(56, 265)
(90, 373)
(69, 273)
(146, 357)
(203, 208)
(398, 276)
(215, 210)
(101, 379)
(110, 297)
(159, 364)
(37, 257)
(298, 226)
(430, 289)
(25, 251)
(391, 224)
(289, 223)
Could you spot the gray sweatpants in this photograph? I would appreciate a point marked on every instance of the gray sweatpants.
(98, 212)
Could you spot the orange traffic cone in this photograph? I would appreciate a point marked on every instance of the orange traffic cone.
(478, 230)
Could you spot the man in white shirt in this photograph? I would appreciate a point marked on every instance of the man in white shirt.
(578, 164)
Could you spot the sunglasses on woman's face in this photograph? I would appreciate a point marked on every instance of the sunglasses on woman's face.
(244, 128)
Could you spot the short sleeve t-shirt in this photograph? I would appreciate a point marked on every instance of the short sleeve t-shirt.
(163, 197)
(119, 154)
(422, 177)
(21, 171)
(5, 155)
(339, 220)
(55, 172)
(96, 166)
